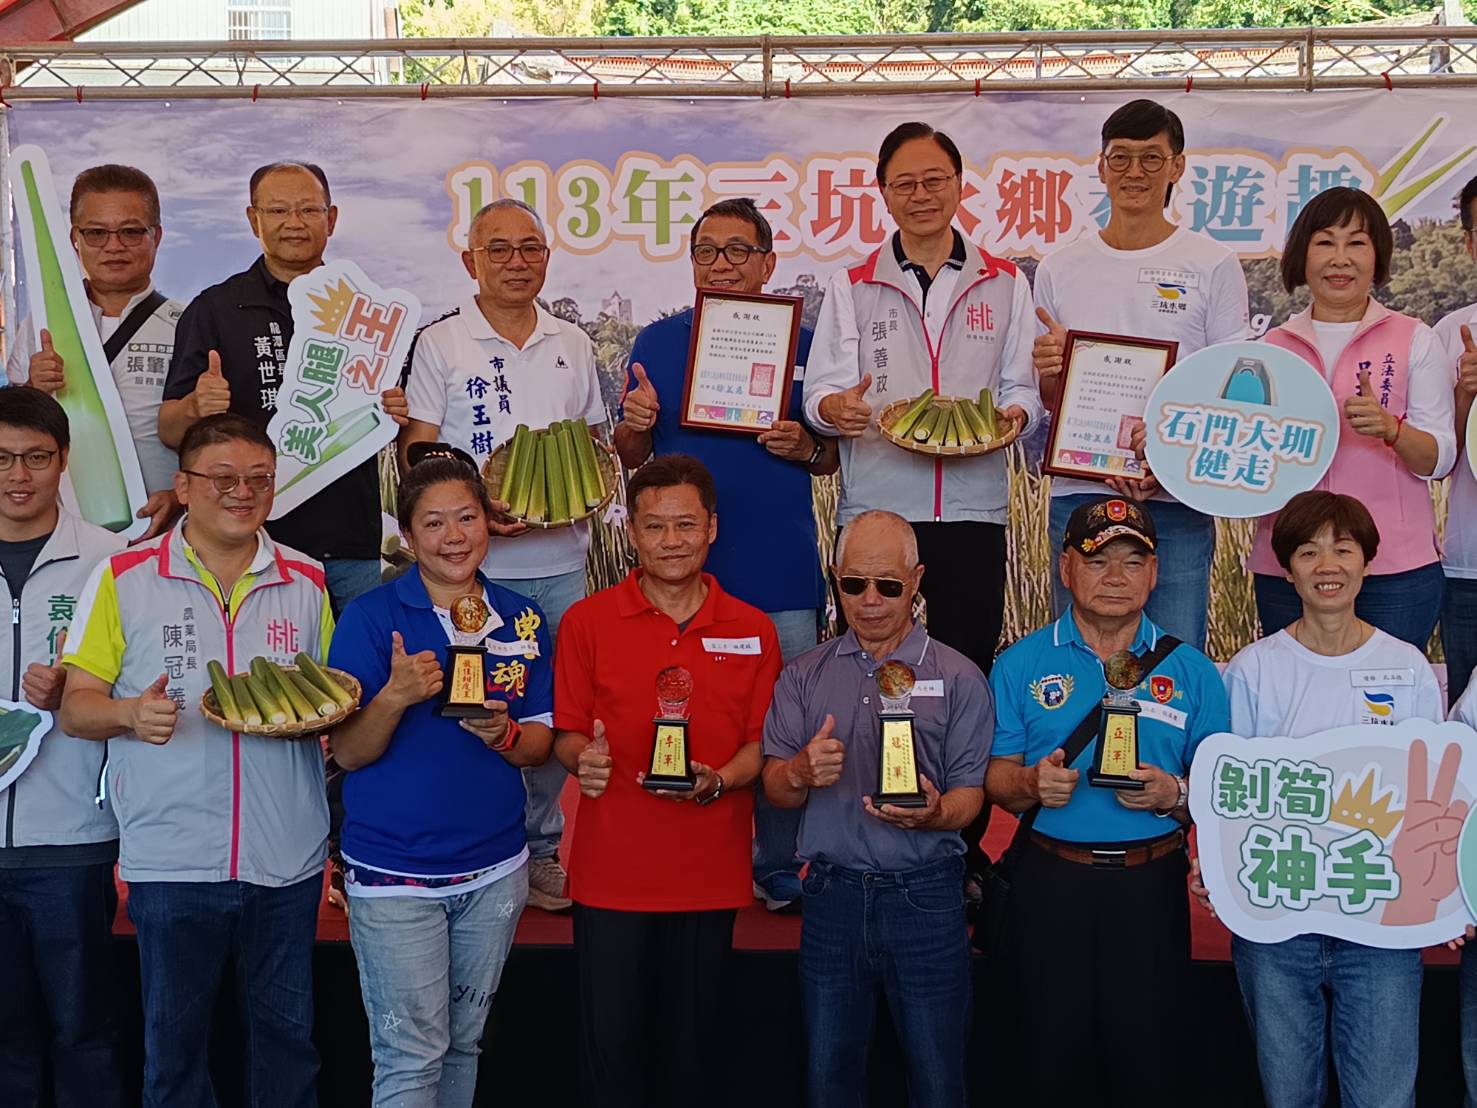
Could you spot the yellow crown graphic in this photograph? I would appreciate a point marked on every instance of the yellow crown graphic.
(1359, 808)
(330, 308)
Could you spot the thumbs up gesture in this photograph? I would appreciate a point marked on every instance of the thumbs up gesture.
(1466, 367)
(154, 714)
(819, 763)
(1047, 350)
(640, 403)
(46, 366)
(1367, 416)
(1054, 781)
(413, 677)
(42, 684)
(212, 393)
(594, 763)
(848, 410)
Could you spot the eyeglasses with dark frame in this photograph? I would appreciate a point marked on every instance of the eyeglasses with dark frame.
(225, 483)
(906, 186)
(889, 588)
(737, 253)
(99, 236)
(1150, 161)
(501, 252)
(31, 459)
(311, 212)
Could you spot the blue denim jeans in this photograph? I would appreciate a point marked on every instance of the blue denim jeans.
(350, 577)
(56, 988)
(1186, 548)
(187, 932)
(776, 829)
(1459, 635)
(1404, 605)
(428, 970)
(543, 819)
(1303, 993)
(901, 935)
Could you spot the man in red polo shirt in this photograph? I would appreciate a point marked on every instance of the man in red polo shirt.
(656, 875)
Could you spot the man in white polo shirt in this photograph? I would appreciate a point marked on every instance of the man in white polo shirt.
(494, 362)
(1146, 277)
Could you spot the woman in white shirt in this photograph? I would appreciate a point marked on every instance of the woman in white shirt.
(1325, 669)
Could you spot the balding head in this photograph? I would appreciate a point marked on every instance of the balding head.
(877, 531)
(877, 554)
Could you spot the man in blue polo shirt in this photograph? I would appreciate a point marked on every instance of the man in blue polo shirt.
(765, 553)
(1097, 922)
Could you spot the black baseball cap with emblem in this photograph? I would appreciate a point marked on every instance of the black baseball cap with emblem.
(1098, 522)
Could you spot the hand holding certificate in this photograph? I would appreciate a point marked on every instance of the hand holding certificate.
(1105, 387)
(741, 363)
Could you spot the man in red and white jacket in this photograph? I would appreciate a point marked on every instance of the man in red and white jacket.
(928, 309)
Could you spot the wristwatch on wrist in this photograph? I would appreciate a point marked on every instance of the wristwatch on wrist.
(1180, 801)
(704, 801)
(815, 455)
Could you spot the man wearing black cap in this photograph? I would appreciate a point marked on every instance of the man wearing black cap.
(1097, 719)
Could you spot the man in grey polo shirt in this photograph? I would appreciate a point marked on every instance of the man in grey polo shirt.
(884, 908)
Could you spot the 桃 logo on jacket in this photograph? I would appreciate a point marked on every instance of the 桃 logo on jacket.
(1379, 704)
(1161, 688)
(1052, 690)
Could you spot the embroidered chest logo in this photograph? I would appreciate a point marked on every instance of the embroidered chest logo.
(1052, 690)
(1161, 688)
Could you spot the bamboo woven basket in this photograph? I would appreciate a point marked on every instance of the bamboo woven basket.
(211, 711)
(497, 461)
(889, 415)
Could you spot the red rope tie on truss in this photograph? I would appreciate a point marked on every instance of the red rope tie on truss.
(255, 91)
(425, 89)
(1389, 84)
(1189, 81)
(595, 92)
(79, 94)
(976, 86)
(787, 89)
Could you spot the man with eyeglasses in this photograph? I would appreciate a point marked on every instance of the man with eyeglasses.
(1096, 933)
(57, 847)
(765, 552)
(497, 360)
(884, 902)
(1145, 276)
(222, 836)
(233, 342)
(927, 310)
(116, 231)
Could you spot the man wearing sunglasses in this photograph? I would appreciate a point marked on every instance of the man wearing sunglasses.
(233, 343)
(116, 231)
(497, 360)
(765, 553)
(222, 836)
(1147, 277)
(883, 897)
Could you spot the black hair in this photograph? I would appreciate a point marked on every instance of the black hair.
(740, 207)
(1308, 513)
(1142, 120)
(219, 428)
(115, 178)
(24, 406)
(1337, 207)
(907, 132)
(309, 167)
(668, 471)
(431, 464)
(1464, 203)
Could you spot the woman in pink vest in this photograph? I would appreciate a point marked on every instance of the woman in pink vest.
(1394, 386)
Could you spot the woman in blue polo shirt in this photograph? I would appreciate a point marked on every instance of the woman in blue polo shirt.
(433, 843)
(1314, 995)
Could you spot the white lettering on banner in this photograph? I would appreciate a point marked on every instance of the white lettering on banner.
(732, 646)
(522, 648)
(934, 687)
(1379, 678)
(1152, 709)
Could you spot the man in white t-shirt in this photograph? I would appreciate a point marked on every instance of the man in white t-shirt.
(1146, 277)
(472, 377)
(116, 230)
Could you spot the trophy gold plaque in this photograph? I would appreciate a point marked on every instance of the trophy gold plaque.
(1117, 753)
(464, 683)
(670, 767)
(897, 779)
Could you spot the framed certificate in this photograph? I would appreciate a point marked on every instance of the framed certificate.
(741, 363)
(1105, 387)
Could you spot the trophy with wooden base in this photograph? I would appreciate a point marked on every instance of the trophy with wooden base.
(1117, 753)
(464, 682)
(897, 779)
(670, 767)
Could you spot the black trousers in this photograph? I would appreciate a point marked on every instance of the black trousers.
(653, 1030)
(1098, 973)
(963, 585)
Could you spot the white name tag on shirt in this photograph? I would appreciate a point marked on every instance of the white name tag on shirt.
(1380, 678)
(522, 648)
(732, 646)
(1163, 713)
(929, 688)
